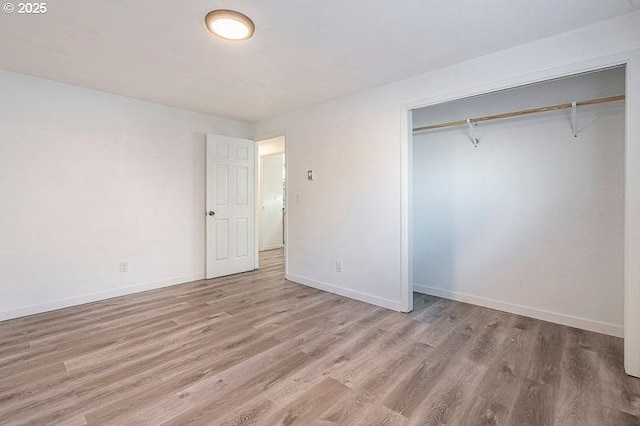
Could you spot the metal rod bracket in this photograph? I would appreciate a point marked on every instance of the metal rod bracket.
(474, 139)
(574, 118)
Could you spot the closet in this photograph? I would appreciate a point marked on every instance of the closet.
(518, 200)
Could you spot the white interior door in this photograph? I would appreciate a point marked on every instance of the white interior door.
(230, 203)
(272, 194)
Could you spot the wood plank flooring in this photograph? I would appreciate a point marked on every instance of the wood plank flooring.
(256, 349)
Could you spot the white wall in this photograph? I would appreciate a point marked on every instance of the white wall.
(531, 221)
(88, 180)
(355, 210)
(346, 211)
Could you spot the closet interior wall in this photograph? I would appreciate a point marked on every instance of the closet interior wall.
(530, 221)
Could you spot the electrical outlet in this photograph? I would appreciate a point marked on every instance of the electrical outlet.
(124, 267)
(339, 266)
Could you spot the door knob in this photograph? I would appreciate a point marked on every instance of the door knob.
(212, 213)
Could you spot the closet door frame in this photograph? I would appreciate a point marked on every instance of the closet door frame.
(631, 184)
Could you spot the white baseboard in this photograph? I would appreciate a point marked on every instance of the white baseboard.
(571, 321)
(352, 294)
(94, 297)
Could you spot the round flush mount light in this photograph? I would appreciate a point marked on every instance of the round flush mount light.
(229, 24)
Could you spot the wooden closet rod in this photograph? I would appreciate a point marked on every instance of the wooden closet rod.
(518, 113)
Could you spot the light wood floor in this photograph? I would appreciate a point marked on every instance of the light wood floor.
(254, 348)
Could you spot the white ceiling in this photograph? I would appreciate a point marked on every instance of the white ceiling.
(303, 51)
(271, 146)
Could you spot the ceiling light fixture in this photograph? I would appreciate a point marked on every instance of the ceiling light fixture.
(229, 24)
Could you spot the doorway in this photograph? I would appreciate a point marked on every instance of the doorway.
(271, 196)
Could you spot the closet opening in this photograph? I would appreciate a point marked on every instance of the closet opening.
(516, 200)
